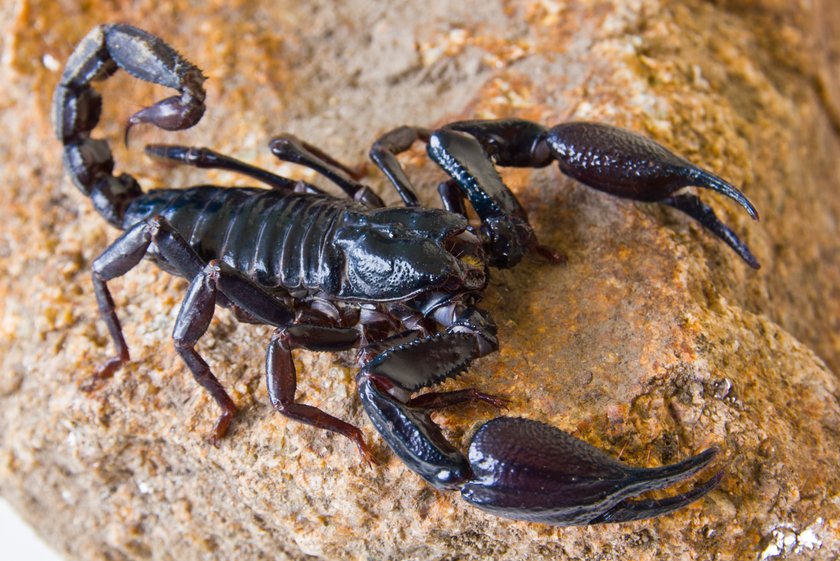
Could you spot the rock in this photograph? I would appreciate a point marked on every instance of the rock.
(653, 342)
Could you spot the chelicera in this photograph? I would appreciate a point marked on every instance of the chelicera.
(403, 285)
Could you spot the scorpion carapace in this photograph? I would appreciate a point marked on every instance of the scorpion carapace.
(402, 285)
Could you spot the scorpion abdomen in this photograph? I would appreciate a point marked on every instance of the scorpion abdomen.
(280, 240)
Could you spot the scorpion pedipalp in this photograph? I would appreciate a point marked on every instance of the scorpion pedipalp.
(516, 468)
(604, 157)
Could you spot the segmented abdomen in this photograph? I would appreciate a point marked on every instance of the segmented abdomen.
(277, 239)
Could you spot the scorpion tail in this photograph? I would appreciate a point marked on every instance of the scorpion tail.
(77, 107)
(528, 470)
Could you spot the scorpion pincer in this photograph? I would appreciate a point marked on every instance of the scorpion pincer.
(402, 285)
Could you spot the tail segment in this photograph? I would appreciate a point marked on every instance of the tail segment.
(77, 107)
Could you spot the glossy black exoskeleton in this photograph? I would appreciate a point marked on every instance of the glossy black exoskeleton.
(401, 284)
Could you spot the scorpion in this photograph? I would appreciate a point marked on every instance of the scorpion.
(401, 284)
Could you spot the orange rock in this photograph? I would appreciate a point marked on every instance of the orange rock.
(653, 342)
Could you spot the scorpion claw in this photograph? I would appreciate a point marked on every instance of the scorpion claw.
(528, 470)
(708, 180)
(629, 165)
(628, 510)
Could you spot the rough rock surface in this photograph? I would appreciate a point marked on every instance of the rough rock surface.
(653, 342)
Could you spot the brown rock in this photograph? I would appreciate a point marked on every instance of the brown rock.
(654, 342)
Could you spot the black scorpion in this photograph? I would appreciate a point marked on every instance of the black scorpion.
(400, 284)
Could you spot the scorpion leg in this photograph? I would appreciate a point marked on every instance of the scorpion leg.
(193, 321)
(209, 159)
(291, 149)
(119, 258)
(515, 468)
(384, 154)
(115, 261)
(281, 379)
(215, 284)
(281, 376)
(195, 314)
(198, 307)
(452, 197)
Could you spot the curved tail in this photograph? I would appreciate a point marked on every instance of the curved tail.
(77, 107)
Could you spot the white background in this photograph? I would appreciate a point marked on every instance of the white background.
(19, 541)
